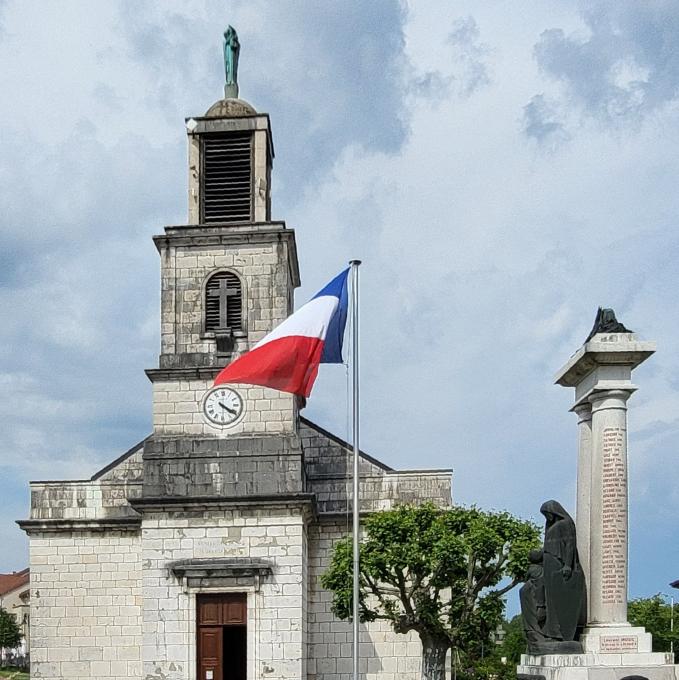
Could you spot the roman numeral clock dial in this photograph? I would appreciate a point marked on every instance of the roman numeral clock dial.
(223, 406)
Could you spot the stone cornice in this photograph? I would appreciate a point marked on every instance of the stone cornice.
(183, 373)
(230, 235)
(307, 501)
(38, 526)
(604, 349)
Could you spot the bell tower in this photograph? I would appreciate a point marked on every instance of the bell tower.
(227, 279)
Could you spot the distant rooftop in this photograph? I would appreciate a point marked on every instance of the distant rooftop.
(10, 582)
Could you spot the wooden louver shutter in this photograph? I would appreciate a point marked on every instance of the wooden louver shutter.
(234, 305)
(227, 177)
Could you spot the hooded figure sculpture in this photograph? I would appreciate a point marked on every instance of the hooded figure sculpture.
(564, 580)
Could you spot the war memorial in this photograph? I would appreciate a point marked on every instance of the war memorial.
(575, 601)
(197, 554)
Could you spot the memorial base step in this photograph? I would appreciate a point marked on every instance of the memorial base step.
(597, 666)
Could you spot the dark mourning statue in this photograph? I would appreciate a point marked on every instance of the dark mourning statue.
(532, 597)
(553, 597)
(606, 322)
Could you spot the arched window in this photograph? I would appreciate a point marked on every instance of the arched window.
(224, 303)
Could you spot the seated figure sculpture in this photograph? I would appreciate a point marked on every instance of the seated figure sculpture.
(553, 597)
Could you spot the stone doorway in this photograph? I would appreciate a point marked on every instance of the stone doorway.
(222, 636)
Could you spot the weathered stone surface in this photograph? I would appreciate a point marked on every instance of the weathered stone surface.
(86, 605)
(328, 462)
(225, 468)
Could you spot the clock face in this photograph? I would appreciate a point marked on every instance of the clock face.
(223, 406)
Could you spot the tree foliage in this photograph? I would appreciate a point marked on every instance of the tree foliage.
(497, 661)
(439, 572)
(654, 614)
(10, 633)
(514, 643)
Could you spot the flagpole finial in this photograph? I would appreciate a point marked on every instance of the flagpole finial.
(356, 262)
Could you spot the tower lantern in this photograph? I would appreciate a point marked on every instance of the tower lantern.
(230, 155)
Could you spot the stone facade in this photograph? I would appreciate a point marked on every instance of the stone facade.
(106, 602)
(276, 608)
(123, 562)
(86, 604)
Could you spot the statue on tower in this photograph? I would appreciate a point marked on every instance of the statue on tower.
(231, 52)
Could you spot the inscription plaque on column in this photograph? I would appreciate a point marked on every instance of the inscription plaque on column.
(614, 517)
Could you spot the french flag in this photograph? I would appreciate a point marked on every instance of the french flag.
(287, 359)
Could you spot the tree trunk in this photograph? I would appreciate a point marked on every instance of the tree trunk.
(434, 657)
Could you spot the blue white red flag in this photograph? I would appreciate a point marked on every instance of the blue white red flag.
(287, 359)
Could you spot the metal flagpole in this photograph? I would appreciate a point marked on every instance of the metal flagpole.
(354, 359)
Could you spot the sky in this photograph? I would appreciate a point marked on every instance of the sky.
(501, 169)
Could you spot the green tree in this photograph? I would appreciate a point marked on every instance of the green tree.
(439, 572)
(654, 614)
(497, 661)
(10, 634)
(514, 643)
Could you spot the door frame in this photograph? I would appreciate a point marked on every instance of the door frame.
(251, 628)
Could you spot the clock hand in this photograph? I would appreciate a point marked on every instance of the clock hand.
(226, 408)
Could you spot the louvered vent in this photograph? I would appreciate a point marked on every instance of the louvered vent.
(223, 302)
(227, 177)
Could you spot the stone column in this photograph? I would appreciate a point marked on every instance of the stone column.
(601, 373)
(608, 508)
(582, 510)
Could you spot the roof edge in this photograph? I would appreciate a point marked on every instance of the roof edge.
(346, 445)
(118, 460)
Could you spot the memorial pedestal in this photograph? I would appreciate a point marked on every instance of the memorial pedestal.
(597, 666)
(616, 640)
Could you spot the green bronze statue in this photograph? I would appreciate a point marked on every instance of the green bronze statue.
(231, 52)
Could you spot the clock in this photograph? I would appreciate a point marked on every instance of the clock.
(223, 406)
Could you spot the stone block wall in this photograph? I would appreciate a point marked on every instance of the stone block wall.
(382, 492)
(86, 592)
(385, 655)
(276, 610)
(105, 496)
(266, 284)
(233, 467)
(328, 463)
(178, 410)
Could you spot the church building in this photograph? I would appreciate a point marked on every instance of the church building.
(197, 554)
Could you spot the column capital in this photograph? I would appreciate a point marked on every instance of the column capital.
(616, 398)
(583, 411)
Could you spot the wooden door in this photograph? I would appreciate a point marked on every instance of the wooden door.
(222, 636)
(229, 609)
(210, 653)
